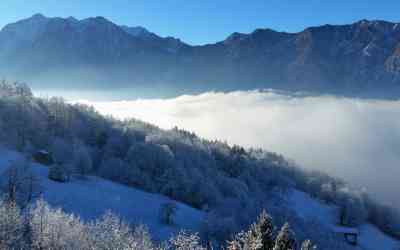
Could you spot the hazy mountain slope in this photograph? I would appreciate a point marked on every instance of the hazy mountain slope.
(356, 59)
(344, 59)
(92, 50)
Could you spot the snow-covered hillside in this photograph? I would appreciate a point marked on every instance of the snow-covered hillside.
(94, 196)
(370, 238)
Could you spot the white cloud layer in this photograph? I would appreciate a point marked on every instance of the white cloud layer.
(358, 140)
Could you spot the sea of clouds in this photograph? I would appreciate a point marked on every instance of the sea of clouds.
(355, 139)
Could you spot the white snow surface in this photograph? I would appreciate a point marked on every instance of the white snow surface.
(94, 196)
(370, 238)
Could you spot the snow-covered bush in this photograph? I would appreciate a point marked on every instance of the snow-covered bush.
(186, 241)
(167, 213)
(58, 173)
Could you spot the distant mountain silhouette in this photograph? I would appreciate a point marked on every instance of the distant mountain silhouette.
(361, 59)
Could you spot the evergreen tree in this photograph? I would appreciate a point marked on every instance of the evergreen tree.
(246, 241)
(264, 229)
(285, 239)
(307, 245)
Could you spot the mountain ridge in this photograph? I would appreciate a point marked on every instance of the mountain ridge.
(358, 59)
(139, 28)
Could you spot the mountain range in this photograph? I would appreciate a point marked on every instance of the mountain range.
(359, 59)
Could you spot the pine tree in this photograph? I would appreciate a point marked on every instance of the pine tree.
(258, 237)
(307, 245)
(285, 239)
(264, 229)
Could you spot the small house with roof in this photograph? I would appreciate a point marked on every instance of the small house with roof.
(350, 234)
(43, 157)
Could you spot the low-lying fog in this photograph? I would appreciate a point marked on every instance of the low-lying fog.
(358, 140)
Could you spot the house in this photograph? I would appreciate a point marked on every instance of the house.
(43, 157)
(350, 234)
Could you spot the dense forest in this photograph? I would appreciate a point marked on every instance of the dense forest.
(233, 185)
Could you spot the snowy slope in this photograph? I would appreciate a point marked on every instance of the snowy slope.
(308, 208)
(6, 158)
(93, 197)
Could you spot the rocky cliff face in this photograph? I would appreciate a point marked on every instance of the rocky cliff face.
(357, 59)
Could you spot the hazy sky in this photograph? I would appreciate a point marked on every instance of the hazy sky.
(205, 21)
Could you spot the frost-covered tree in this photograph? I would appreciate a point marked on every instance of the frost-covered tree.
(186, 241)
(285, 239)
(82, 160)
(307, 245)
(11, 226)
(264, 228)
(19, 183)
(116, 169)
(111, 232)
(53, 229)
(352, 210)
(258, 237)
(245, 241)
(142, 238)
(61, 151)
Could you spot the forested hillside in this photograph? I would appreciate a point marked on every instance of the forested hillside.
(231, 184)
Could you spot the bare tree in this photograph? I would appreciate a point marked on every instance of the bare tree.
(19, 184)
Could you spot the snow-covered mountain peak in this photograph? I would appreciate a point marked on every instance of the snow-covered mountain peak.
(139, 32)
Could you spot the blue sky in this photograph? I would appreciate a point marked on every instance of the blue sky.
(206, 21)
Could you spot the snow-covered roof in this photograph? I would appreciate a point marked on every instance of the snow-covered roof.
(345, 230)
